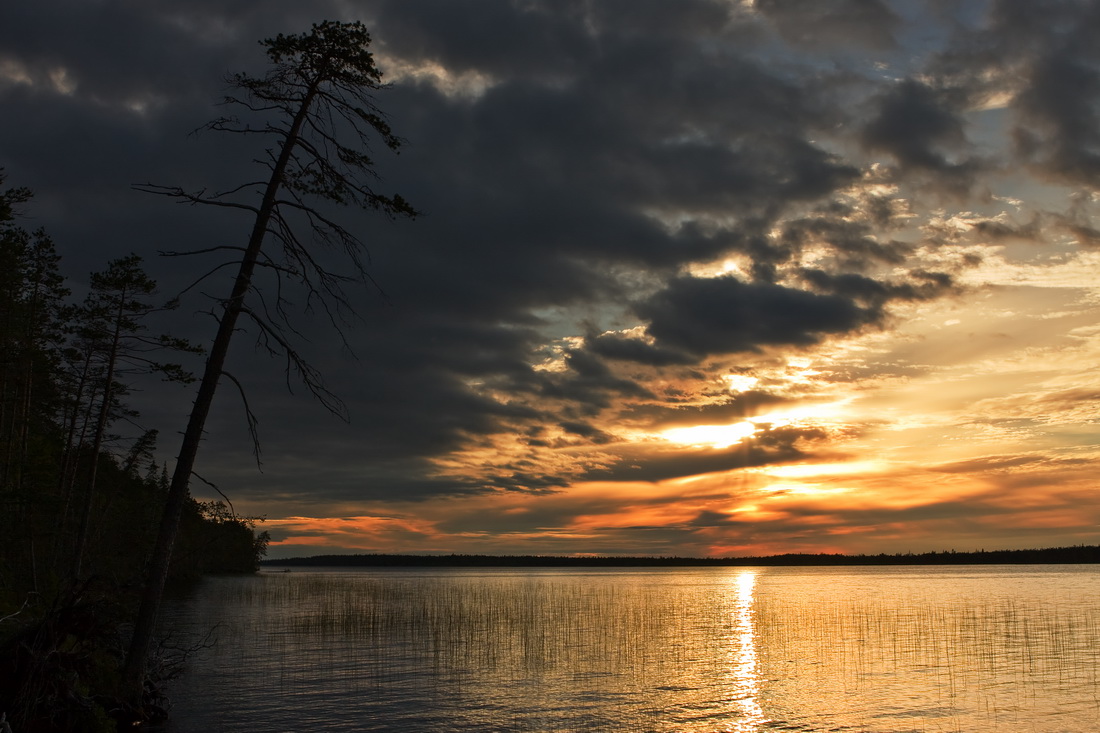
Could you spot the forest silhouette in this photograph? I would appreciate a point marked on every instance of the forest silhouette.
(81, 489)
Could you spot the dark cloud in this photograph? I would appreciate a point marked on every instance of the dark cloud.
(920, 129)
(875, 294)
(1085, 236)
(853, 242)
(589, 385)
(1078, 221)
(538, 39)
(735, 408)
(625, 348)
(1060, 116)
(726, 315)
(1000, 231)
(870, 23)
(586, 430)
(1041, 57)
(782, 445)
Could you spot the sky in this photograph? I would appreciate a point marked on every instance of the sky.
(703, 277)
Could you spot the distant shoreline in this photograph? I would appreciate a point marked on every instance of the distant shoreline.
(1082, 554)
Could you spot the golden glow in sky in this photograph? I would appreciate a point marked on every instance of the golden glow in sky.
(970, 425)
(715, 436)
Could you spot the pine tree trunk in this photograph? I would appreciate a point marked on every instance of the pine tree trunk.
(97, 442)
(157, 574)
(70, 458)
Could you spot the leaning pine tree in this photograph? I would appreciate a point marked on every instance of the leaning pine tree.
(317, 107)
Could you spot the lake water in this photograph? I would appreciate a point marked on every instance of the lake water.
(870, 650)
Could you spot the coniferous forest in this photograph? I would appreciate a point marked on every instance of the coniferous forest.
(81, 487)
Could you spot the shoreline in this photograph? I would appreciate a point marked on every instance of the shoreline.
(1080, 555)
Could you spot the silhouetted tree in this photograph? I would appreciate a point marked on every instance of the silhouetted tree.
(32, 328)
(32, 331)
(113, 321)
(315, 106)
(215, 539)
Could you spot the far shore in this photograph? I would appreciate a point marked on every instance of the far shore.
(1081, 554)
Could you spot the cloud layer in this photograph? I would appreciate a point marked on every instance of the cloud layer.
(832, 231)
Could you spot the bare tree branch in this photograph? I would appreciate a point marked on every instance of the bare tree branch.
(214, 486)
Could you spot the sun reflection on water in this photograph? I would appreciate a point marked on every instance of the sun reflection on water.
(744, 661)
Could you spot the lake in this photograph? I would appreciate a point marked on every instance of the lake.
(865, 649)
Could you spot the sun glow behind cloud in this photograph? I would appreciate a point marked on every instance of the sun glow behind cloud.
(713, 436)
(724, 436)
(740, 382)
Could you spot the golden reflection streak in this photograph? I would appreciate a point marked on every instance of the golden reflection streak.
(745, 669)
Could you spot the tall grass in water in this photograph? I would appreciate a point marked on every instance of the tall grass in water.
(947, 658)
(577, 621)
(532, 624)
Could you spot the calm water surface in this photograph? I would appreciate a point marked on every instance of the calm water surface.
(871, 650)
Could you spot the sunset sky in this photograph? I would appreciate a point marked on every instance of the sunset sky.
(694, 277)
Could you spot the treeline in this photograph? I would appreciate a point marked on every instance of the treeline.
(1054, 555)
(81, 489)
